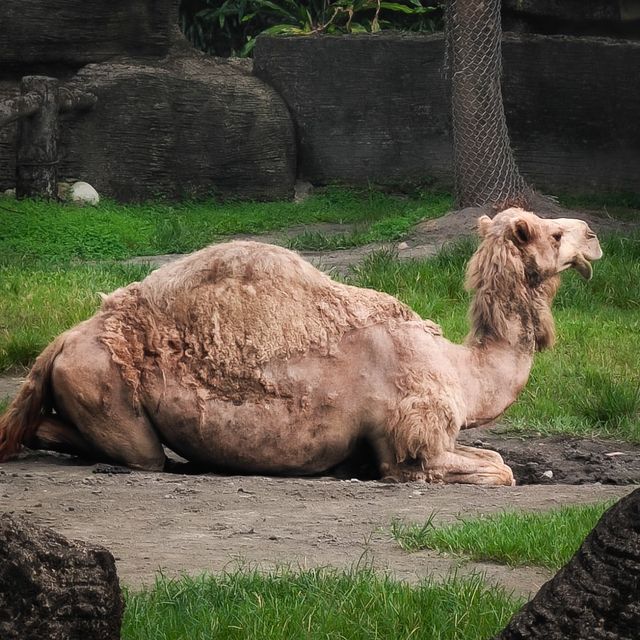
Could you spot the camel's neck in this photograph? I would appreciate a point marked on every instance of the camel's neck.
(507, 329)
(493, 376)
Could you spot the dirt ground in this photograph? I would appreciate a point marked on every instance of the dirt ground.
(192, 523)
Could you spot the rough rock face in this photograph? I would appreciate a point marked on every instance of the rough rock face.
(365, 107)
(187, 126)
(55, 589)
(578, 10)
(72, 33)
(169, 122)
(596, 596)
(375, 108)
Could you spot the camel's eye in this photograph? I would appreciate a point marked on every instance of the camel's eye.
(557, 236)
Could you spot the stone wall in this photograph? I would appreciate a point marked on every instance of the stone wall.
(174, 123)
(375, 108)
(72, 33)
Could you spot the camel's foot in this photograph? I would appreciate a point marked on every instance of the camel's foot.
(467, 465)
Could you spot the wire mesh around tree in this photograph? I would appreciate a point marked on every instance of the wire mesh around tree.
(484, 167)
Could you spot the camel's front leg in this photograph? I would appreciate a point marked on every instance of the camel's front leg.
(468, 465)
(392, 471)
(465, 465)
(419, 444)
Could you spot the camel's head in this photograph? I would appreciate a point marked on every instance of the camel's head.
(547, 246)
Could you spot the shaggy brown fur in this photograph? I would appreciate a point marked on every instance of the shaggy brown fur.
(243, 356)
(217, 316)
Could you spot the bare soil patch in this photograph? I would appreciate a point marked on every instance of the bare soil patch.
(561, 459)
(194, 523)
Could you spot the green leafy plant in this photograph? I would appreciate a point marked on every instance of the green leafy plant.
(230, 27)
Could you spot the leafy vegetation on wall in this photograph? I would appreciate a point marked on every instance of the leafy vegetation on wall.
(230, 27)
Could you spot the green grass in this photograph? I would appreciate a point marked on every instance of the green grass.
(512, 538)
(322, 604)
(623, 206)
(32, 230)
(39, 302)
(389, 228)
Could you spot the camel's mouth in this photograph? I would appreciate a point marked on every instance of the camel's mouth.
(582, 266)
(579, 247)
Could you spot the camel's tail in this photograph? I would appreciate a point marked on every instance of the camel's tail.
(21, 419)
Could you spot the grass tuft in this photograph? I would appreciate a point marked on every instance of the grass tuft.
(513, 538)
(322, 603)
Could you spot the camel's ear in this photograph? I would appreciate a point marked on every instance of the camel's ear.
(522, 231)
(483, 224)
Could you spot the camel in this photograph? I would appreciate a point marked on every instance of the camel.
(243, 357)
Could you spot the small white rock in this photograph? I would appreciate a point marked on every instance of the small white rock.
(9, 193)
(83, 193)
(402, 246)
(548, 474)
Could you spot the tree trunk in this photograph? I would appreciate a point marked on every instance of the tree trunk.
(484, 166)
(596, 596)
(37, 143)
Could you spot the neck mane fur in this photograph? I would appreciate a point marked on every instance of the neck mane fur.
(512, 301)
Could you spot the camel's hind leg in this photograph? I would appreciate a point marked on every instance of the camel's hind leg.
(91, 395)
(55, 435)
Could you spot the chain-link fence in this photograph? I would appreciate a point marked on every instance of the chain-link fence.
(484, 166)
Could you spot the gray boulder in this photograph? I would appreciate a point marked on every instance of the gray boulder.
(54, 588)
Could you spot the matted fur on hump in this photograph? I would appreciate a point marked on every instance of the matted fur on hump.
(214, 318)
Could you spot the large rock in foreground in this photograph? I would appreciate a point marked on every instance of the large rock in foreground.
(55, 589)
(596, 596)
